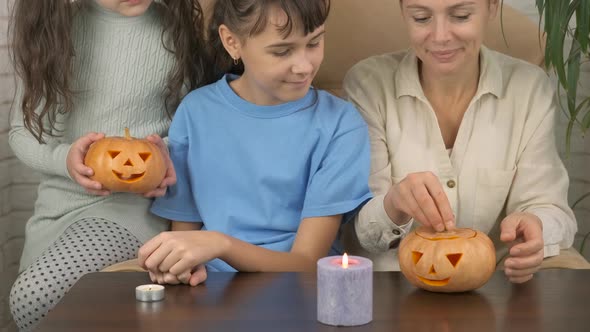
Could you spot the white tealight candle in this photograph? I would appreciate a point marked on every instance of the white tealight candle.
(149, 293)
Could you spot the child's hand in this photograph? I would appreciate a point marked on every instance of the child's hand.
(170, 177)
(193, 278)
(75, 164)
(176, 252)
(164, 278)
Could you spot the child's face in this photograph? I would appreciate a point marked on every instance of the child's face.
(126, 7)
(278, 69)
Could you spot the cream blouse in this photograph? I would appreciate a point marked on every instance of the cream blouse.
(504, 158)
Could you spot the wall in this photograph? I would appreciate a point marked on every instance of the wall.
(17, 188)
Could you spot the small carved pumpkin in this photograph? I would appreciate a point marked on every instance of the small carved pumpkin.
(450, 261)
(126, 164)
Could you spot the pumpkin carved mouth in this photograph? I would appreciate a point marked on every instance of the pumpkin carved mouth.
(435, 283)
(128, 178)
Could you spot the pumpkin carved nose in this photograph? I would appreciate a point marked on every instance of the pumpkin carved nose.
(432, 270)
(128, 163)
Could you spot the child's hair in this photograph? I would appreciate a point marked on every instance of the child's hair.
(42, 52)
(247, 18)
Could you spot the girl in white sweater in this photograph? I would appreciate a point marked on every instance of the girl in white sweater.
(89, 69)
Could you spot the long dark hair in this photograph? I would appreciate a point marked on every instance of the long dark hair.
(247, 18)
(42, 51)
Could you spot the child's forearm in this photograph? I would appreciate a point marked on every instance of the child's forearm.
(46, 158)
(186, 226)
(247, 257)
(313, 241)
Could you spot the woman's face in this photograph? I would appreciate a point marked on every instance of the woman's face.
(447, 34)
(126, 7)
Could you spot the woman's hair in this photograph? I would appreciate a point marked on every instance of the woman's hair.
(42, 51)
(247, 18)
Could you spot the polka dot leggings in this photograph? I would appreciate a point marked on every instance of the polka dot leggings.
(89, 245)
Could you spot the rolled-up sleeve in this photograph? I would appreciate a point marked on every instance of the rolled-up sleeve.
(374, 229)
(540, 185)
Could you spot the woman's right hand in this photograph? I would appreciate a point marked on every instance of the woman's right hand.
(420, 196)
(76, 168)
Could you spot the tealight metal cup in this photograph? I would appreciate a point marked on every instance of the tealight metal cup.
(149, 293)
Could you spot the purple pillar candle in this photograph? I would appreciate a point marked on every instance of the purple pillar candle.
(345, 290)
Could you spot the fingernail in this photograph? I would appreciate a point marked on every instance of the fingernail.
(440, 228)
(449, 224)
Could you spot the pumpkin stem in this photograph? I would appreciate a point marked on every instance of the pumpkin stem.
(127, 134)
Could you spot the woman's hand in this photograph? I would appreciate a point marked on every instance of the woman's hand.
(189, 277)
(420, 196)
(523, 232)
(76, 168)
(177, 252)
(170, 178)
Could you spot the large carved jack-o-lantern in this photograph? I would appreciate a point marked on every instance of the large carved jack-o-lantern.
(450, 261)
(126, 164)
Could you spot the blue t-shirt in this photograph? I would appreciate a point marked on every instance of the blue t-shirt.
(254, 172)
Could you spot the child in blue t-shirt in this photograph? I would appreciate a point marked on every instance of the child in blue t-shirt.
(267, 166)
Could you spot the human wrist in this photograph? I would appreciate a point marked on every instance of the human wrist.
(224, 244)
(396, 216)
(61, 161)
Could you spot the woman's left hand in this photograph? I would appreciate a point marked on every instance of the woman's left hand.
(170, 178)
(524, 234)
(177, 252)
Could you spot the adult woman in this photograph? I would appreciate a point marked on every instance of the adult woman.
(457, 127)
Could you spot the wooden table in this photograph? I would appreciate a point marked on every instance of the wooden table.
(555, 300)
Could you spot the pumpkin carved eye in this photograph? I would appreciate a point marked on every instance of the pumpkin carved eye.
(145, 155)
(454, 258)
(114, 154)
(416, 255)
